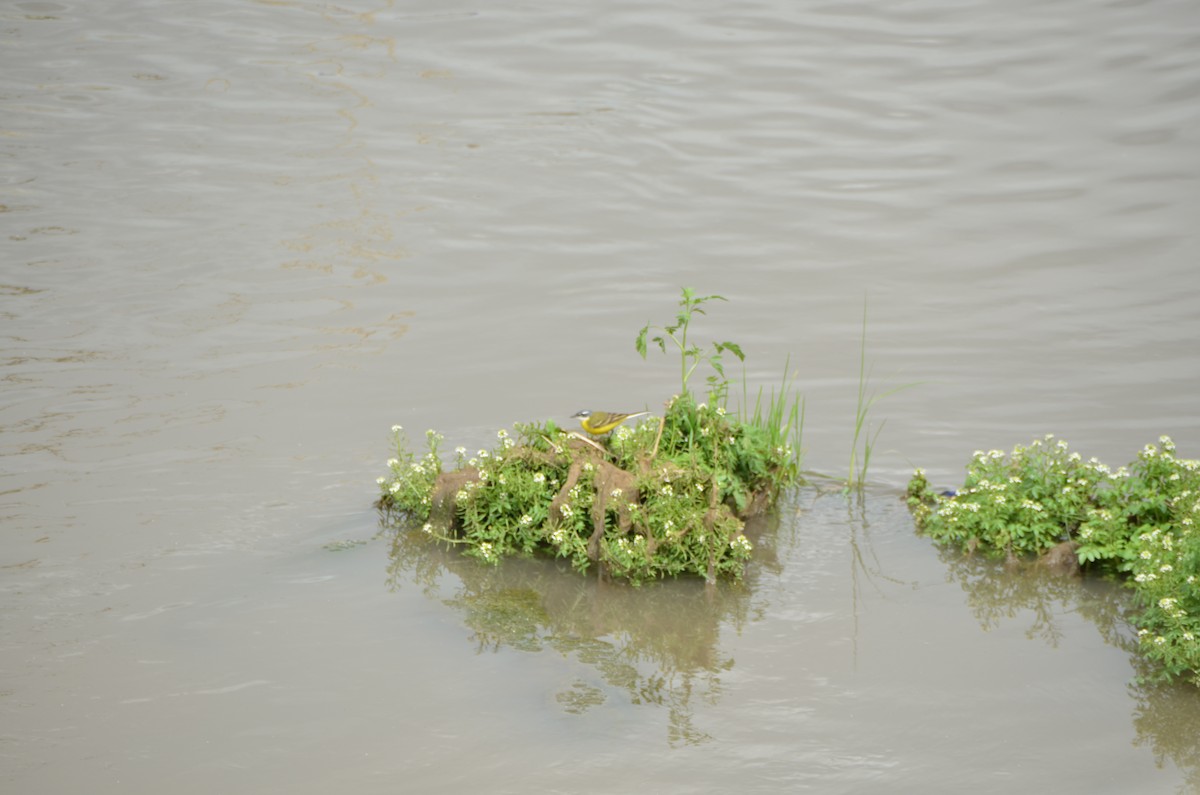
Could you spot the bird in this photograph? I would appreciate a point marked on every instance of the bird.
(598, 423)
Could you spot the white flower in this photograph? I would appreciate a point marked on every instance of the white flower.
(502, 434)
(397, 428)
(1144, 554)
(392, 462)
(538, 477)
(483, 454)
(428, 528)
(380, 480)
(615, 493)
(460, 450)
(565, 510)
(525, 520)
(394, 488)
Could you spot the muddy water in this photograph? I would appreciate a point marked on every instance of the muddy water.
(241, 240)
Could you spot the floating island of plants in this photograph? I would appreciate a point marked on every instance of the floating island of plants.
(664, 497)
(669, 496)
(1137, 523)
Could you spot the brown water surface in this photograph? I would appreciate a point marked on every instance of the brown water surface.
(240, 240)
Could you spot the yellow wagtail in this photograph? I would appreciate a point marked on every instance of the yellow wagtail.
(598, 423)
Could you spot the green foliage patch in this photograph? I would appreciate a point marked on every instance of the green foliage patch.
(663, 498)
(1137, 522)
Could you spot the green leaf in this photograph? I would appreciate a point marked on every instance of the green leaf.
(735, 348)
(640, 343)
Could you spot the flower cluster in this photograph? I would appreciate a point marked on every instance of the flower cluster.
(538, 491)
(1165, 558)
(1138, 521)
(407, 486)
(1018, 503)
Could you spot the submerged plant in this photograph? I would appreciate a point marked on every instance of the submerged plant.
(1137, 522)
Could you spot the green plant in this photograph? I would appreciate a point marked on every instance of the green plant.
(690, 354)
(547, 492)
(781, 418)
(1161, 502)
(1137, 522)
(657, 499)
(861, 462)
(1019, 504)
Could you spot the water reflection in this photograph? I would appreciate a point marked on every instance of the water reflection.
(997, 592)
(1166, 718)
(826, 567)
(656, 645)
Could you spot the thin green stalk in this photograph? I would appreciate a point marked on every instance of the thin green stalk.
(857, 475)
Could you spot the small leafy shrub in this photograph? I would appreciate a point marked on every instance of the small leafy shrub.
(1023, 503)
(546, 492)
(1138, 522)
(662, 498)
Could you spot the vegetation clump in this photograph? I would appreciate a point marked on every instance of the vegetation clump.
(663, 498)
(1137, 522)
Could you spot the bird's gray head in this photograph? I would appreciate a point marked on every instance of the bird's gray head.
(582, 414)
